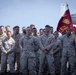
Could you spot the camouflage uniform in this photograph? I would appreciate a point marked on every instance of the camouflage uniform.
(28, 58)
(16, 37)
(46, 41)
(37, 53)
(2, 37)
(68, 54)
(57, 55)
(75, 46)
(7, 45)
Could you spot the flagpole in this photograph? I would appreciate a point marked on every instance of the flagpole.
(67, 5)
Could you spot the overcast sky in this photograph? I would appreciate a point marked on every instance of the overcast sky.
(38, 12)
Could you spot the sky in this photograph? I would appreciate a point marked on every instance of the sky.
(37, 12)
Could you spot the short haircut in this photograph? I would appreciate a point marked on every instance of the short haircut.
(56, 32)
(32, 25)
(8, 31)
(47, 26)
(15, 27)
(40, 29)
(51, 27)
(1, 26)
(34, 28)
(28, 27)
(7, 26)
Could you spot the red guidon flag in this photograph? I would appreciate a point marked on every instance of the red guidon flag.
(65, 22)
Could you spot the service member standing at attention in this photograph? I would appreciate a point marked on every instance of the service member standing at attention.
(57, 53)
(2, 37)
(7, 48)
(16, 36)
(28, 58)
(68, 52)
(46, 42)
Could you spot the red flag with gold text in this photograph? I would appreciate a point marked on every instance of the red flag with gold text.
(65, 22)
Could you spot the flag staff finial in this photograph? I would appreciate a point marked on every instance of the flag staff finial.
(67, 5)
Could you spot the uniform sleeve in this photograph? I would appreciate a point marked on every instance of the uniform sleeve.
(52, 41)
(36, 40)
(2, 46)
(20, 43)
(56, 48)
(40, 44)
(62, 42)
(13, 46)
(57, 44)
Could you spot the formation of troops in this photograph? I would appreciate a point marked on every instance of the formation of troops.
(43, 53)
